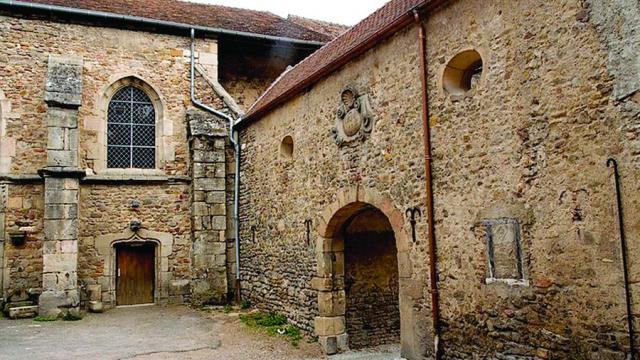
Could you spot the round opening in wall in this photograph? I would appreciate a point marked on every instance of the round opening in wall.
(286, 147)
(462, 74)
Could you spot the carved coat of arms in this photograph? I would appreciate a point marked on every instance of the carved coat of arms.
(355, 118)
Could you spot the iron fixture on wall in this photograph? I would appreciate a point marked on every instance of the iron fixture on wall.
(411, 214)
(253, 234)
(611, 162)
(308, 223)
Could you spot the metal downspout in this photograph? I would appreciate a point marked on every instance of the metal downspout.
(433, 271)
(236, 148)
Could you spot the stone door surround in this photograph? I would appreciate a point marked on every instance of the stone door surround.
(330, 325)
(106, 247)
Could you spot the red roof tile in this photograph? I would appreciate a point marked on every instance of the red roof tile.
(385, 21)
(216, 16)
(323, 27)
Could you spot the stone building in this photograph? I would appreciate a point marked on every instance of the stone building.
(115, 187)
(494, 234)
(440, 175)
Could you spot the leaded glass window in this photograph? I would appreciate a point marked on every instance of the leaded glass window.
(131, 133)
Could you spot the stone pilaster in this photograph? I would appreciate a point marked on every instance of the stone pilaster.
(208, 139)
(3, 205)
(63, 94)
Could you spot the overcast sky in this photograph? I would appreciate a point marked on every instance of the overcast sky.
(337, 11)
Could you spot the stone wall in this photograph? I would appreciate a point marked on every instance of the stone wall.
(278, 193)
(530, 143)
(522, 155)
(110, 199)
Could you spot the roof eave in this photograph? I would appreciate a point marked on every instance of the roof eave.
(103, 15)
(399, 24)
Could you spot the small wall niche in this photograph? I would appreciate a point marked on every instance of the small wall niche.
(286, 148)
(463, 73)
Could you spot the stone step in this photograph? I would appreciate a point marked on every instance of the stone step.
(23, 312)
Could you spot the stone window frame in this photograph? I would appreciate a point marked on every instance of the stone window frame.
(484, 55)
(163, 131)
(491, 278)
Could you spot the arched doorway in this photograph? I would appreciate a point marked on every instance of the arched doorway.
(372, 313)
(363, 272)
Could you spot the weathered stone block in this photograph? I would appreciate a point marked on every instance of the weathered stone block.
(23, 312)
(62, 118)
(329, 326)
(61, 196)
(200, 209)
(64, 229)
(61, 211)
(216, 197)
(331, 303)
(95, 306)
(329, 344)
(208, 156)
(63, 86)
(218, 223)
(60, 263)
(55, 138)
(209, 184)
(204, 124)
(67, 158)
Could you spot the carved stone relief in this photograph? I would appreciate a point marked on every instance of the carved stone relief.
(355, 118)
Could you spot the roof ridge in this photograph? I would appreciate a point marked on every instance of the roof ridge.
(240, 21)
(318, 20)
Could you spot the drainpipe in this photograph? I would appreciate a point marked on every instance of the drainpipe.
(236, 147)
(433, 272)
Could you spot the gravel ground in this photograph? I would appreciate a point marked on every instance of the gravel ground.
(157, 333)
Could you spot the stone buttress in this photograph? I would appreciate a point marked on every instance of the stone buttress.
(63, 95)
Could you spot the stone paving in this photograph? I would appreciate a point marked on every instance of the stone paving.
(156, 333)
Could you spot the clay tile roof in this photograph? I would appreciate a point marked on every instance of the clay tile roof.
(323, 27)
(215, 16)
(393, 16)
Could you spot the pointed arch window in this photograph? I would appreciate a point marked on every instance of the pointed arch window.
(131, 130)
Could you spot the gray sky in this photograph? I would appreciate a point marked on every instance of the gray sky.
(338, 11)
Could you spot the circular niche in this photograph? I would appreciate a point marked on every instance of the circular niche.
(463, 72)
(286, 147)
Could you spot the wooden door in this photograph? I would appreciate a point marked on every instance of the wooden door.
(135, 276)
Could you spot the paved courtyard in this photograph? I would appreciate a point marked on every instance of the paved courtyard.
(154, 332)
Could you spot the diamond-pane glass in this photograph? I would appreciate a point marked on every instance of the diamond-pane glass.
(118, 134)
(144, 158)
(144, 135)
(131, 131)
(118, 157)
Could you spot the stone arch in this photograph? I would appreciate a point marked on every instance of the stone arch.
(105, 245)
(164, 130)
(330, 325)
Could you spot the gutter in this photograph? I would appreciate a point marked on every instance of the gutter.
(103, 15)
(426, 127)
(233, 138)
(400, 23)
